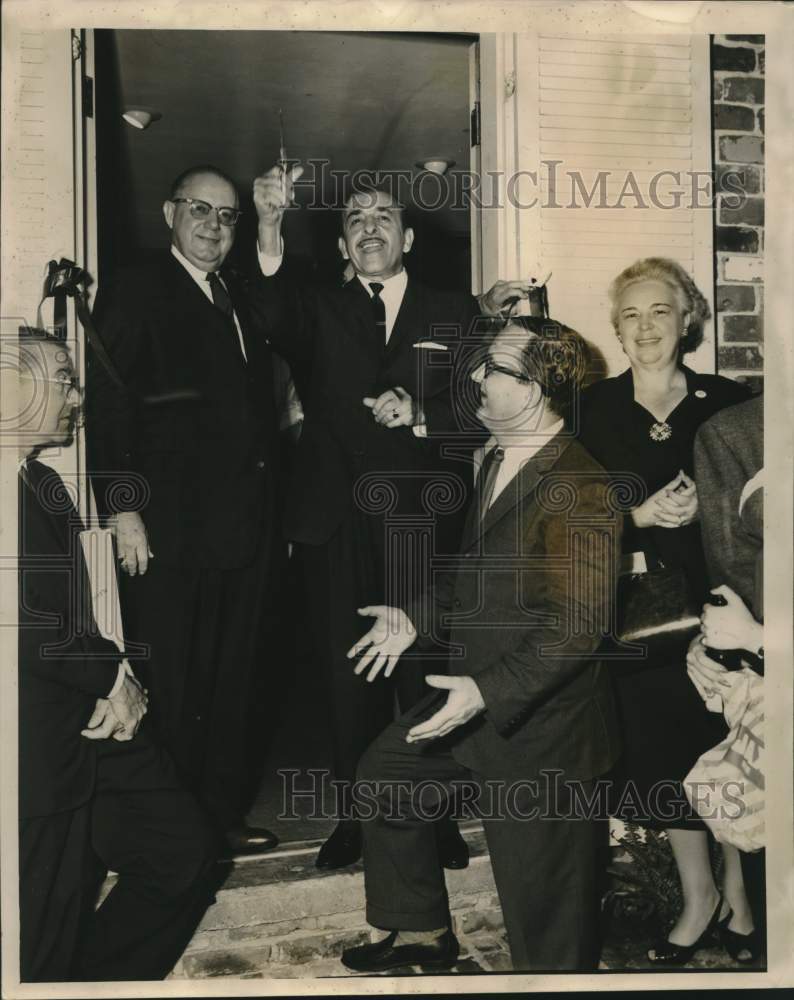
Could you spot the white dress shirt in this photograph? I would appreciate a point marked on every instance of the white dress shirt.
(200, 277)
(517, 455)
(392, 295)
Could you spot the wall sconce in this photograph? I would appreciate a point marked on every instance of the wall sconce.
(436, 165)
(141, 117)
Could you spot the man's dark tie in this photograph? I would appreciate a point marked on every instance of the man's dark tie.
(379, 310)
(219, 295)
(487, 478)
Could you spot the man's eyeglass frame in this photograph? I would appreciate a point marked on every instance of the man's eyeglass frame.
(489, 367)
(201, 209)
(66, 383)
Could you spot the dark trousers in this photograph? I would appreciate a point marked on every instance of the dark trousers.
(141, 824)
(208, 633)
(344, 574)
(544, 869)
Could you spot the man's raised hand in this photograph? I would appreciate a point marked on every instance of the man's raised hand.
(503, 293)
(385, 642)
(273, 193)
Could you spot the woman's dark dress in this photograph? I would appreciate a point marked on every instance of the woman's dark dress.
(665, 726)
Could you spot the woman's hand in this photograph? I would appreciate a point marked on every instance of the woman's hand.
(708, 676)
(730, 626)
(673, 506)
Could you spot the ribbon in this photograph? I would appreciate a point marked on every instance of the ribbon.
(66, 279)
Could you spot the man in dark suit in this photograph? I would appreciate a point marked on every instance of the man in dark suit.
(95, 792)
(379, 354)
(198, 533)
(527, 709)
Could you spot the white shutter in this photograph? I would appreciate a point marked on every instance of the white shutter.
(585, 118)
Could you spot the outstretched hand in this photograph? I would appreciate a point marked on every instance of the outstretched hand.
(385, 642)
(463, 703)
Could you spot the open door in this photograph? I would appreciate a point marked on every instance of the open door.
(595, 152)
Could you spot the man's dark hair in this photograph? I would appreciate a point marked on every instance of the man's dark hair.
(367, 184)
(191, 172)
(554, 356)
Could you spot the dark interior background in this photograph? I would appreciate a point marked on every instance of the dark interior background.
(371, 101)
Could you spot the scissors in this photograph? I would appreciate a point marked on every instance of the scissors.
(283, 162)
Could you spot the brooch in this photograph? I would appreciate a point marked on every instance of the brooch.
(660, 431)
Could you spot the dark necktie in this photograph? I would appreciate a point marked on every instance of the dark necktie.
(487, 478)
(379, 310)
(220, 296)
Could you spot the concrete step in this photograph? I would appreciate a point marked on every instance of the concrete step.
(277, 911)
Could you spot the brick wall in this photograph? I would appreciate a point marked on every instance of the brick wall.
(737, 63)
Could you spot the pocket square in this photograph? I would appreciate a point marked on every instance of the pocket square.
(431, 345)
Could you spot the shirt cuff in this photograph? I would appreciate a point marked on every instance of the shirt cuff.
(268, 263)
(125, 670)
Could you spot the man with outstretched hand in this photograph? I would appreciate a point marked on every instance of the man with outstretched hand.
(526, 712)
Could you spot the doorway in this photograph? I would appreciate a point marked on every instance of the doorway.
(349, 101)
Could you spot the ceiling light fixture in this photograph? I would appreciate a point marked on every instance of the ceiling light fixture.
(141, 117)
(436, 165)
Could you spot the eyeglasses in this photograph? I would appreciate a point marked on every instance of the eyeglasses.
(201, 209)
(489, 366)
(66, 383)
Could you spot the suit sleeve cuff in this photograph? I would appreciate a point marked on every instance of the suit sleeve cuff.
(125, 670)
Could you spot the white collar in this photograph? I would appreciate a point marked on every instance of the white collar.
(530, 445)
(392, 285)
(199, 276)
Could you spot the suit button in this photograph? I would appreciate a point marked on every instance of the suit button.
(260, 464)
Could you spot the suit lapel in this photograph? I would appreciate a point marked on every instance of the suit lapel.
(256, 349)
(514, 493)
(207, 314)
(356, 319)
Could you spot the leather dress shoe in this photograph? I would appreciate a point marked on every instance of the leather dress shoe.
(244, 839)
(384, 955)
(453, 851)
(342, 848)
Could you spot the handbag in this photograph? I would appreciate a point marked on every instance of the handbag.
(657, 617)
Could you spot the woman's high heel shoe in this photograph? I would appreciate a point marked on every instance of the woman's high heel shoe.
(664, 952)
(743, 948)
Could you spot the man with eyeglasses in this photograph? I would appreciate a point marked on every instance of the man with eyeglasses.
(525, 722)
(185, 462)
(96, 793)
(378, 417)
